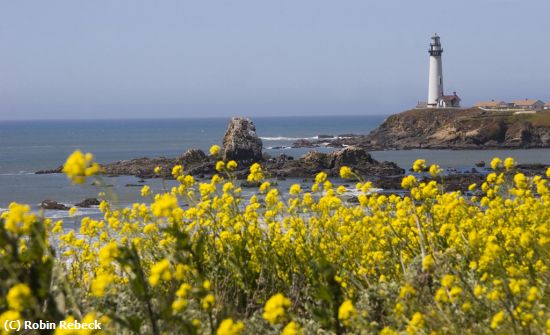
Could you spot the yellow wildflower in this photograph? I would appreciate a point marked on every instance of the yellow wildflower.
(275, 308)
(496, 163)
(345, 172)
(509, 163)
(497, 319)
(177, 171)
(208, 302)
(435, 170)
(145, 191)
(231, 165)
(419, 165)
(79, 166)
(18, 297)
(215, 150)
(9, 316)
(295, 189)
(160, 271)
(427, 262)
(346, 311)
(229, 327)
(292, 328)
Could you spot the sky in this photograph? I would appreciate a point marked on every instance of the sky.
(82, 59)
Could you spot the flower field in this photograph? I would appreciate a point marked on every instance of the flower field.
(202, 259)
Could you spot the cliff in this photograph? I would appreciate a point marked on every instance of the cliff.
(471, 128)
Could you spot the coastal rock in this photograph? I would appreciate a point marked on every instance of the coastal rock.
(303, 143)
(192, 156)
(470, 128)
(350, 156)
(315, 160)
(87, 203)
(241, 143)
(361, 161)
(521, 133)
(358, 159)
(53, 205)
(141, 167)
(480, 164)
(58, 169)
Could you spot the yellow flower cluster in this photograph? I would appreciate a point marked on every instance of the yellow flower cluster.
(79, 166)
(202, 255)
(275, 308)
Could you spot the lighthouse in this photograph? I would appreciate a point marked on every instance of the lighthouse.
(435, 86)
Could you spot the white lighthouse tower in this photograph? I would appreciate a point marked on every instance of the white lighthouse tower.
(435, 88)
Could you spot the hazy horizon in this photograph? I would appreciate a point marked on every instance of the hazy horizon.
(124, 59)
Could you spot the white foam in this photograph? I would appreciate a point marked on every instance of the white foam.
(279, 148)
(283, 138)
(16, 174)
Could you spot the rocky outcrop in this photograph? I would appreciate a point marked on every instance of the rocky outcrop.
(470, 128)
(141, 167)
(459, 129)
(303, 143)
(53, 205)
(241, 143)
(358, 159)
(87, 203)
(58, 169)
(192, 156)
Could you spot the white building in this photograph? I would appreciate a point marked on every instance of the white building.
(436, 97)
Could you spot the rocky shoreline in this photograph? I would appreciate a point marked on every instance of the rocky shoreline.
(242, 144)
(456, 129)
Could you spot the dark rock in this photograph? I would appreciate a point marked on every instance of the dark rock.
(88, 202)
(143, 168)
(241, 143)
(49, 171)
(480, 164)
(350, 156)
(250, 184)
(302, 143)
(533, 169)
(359, 160)
(192, 156)
(53, 205)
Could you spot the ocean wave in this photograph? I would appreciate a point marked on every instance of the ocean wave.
(279, 148)
(283, 138)
(60, 214)
(16, 173)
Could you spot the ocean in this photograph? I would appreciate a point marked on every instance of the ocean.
(28, 146)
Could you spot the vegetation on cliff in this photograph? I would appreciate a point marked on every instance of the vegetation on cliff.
(461, 129)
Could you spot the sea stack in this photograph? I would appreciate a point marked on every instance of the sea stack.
(241, 143)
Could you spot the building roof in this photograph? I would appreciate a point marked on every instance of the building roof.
(491, 103)
(525, 102)
(449, 97)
